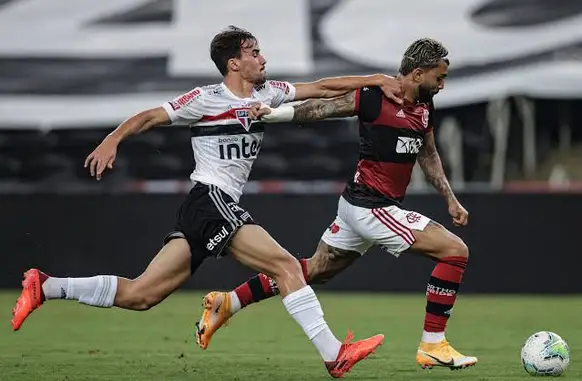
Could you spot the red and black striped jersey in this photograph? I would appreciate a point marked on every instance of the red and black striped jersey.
(391, 136)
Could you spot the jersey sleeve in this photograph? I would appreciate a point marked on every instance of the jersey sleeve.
(369, 103)
(186, 108)
(281, 92)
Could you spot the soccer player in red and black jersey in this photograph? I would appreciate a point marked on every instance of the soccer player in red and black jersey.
(393, 137)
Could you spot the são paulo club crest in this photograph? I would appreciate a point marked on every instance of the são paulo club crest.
(243, 117)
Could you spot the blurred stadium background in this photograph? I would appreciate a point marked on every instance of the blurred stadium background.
(507, 126)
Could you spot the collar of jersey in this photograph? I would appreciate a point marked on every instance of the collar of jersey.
(232, 94)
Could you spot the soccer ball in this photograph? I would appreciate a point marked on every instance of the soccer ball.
(545, 354)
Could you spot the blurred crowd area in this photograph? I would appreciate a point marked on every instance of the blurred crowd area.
(470, 148)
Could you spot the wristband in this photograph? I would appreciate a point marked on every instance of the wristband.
(279, 114)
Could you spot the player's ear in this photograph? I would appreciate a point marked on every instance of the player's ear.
(418, 75)
(233, 64)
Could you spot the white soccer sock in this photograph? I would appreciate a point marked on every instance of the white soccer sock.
(306, 310)
(235, 305)
(432, 337)
(98, 291)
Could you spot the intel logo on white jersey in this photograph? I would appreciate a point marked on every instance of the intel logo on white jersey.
(237, 148)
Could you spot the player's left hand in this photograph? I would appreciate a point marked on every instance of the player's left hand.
(459, 213)
(258, 110)
(102, 157)
(391, 88)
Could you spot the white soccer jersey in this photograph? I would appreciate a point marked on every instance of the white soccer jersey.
(224, 140)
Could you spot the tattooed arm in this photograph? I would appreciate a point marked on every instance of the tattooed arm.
(313, 109)
(336, 86)
(317, 109)
(430, 163)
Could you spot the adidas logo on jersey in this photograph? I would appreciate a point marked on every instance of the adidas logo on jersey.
(401, 114)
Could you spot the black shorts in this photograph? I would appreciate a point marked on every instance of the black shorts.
(208, 219)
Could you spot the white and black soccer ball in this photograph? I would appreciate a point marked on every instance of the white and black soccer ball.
(545, 354)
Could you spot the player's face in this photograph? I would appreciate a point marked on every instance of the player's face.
(432, 81)
(252, 63)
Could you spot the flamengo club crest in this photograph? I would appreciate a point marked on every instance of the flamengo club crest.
(425, 117)
(243, 117)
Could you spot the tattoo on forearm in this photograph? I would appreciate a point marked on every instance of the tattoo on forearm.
(431, 165)
(317, 109)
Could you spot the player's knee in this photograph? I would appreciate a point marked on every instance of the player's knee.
(457, 248)
(287, 266)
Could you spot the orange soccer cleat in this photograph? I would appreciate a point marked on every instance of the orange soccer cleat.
(352, 353)
(30, 299)
(216, 314)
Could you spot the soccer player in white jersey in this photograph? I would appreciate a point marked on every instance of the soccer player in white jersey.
(210, 222)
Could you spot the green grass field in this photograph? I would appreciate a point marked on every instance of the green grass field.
(67, 341)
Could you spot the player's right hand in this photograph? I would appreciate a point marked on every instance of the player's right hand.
(102, 157)
(258, 110)
(391, 88)
(459, 213)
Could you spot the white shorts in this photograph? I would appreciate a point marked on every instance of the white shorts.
(358, 229)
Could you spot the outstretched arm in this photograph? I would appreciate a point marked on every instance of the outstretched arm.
(310, 110)
(140, 123)
(337, 86)
(317, 109)
(430, 163)
(104, 155)
(184, 109)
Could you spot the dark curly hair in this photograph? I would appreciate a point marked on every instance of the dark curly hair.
(424, 53)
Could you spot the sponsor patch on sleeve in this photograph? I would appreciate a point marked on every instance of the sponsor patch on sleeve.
(280, 85)
(185, 99)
